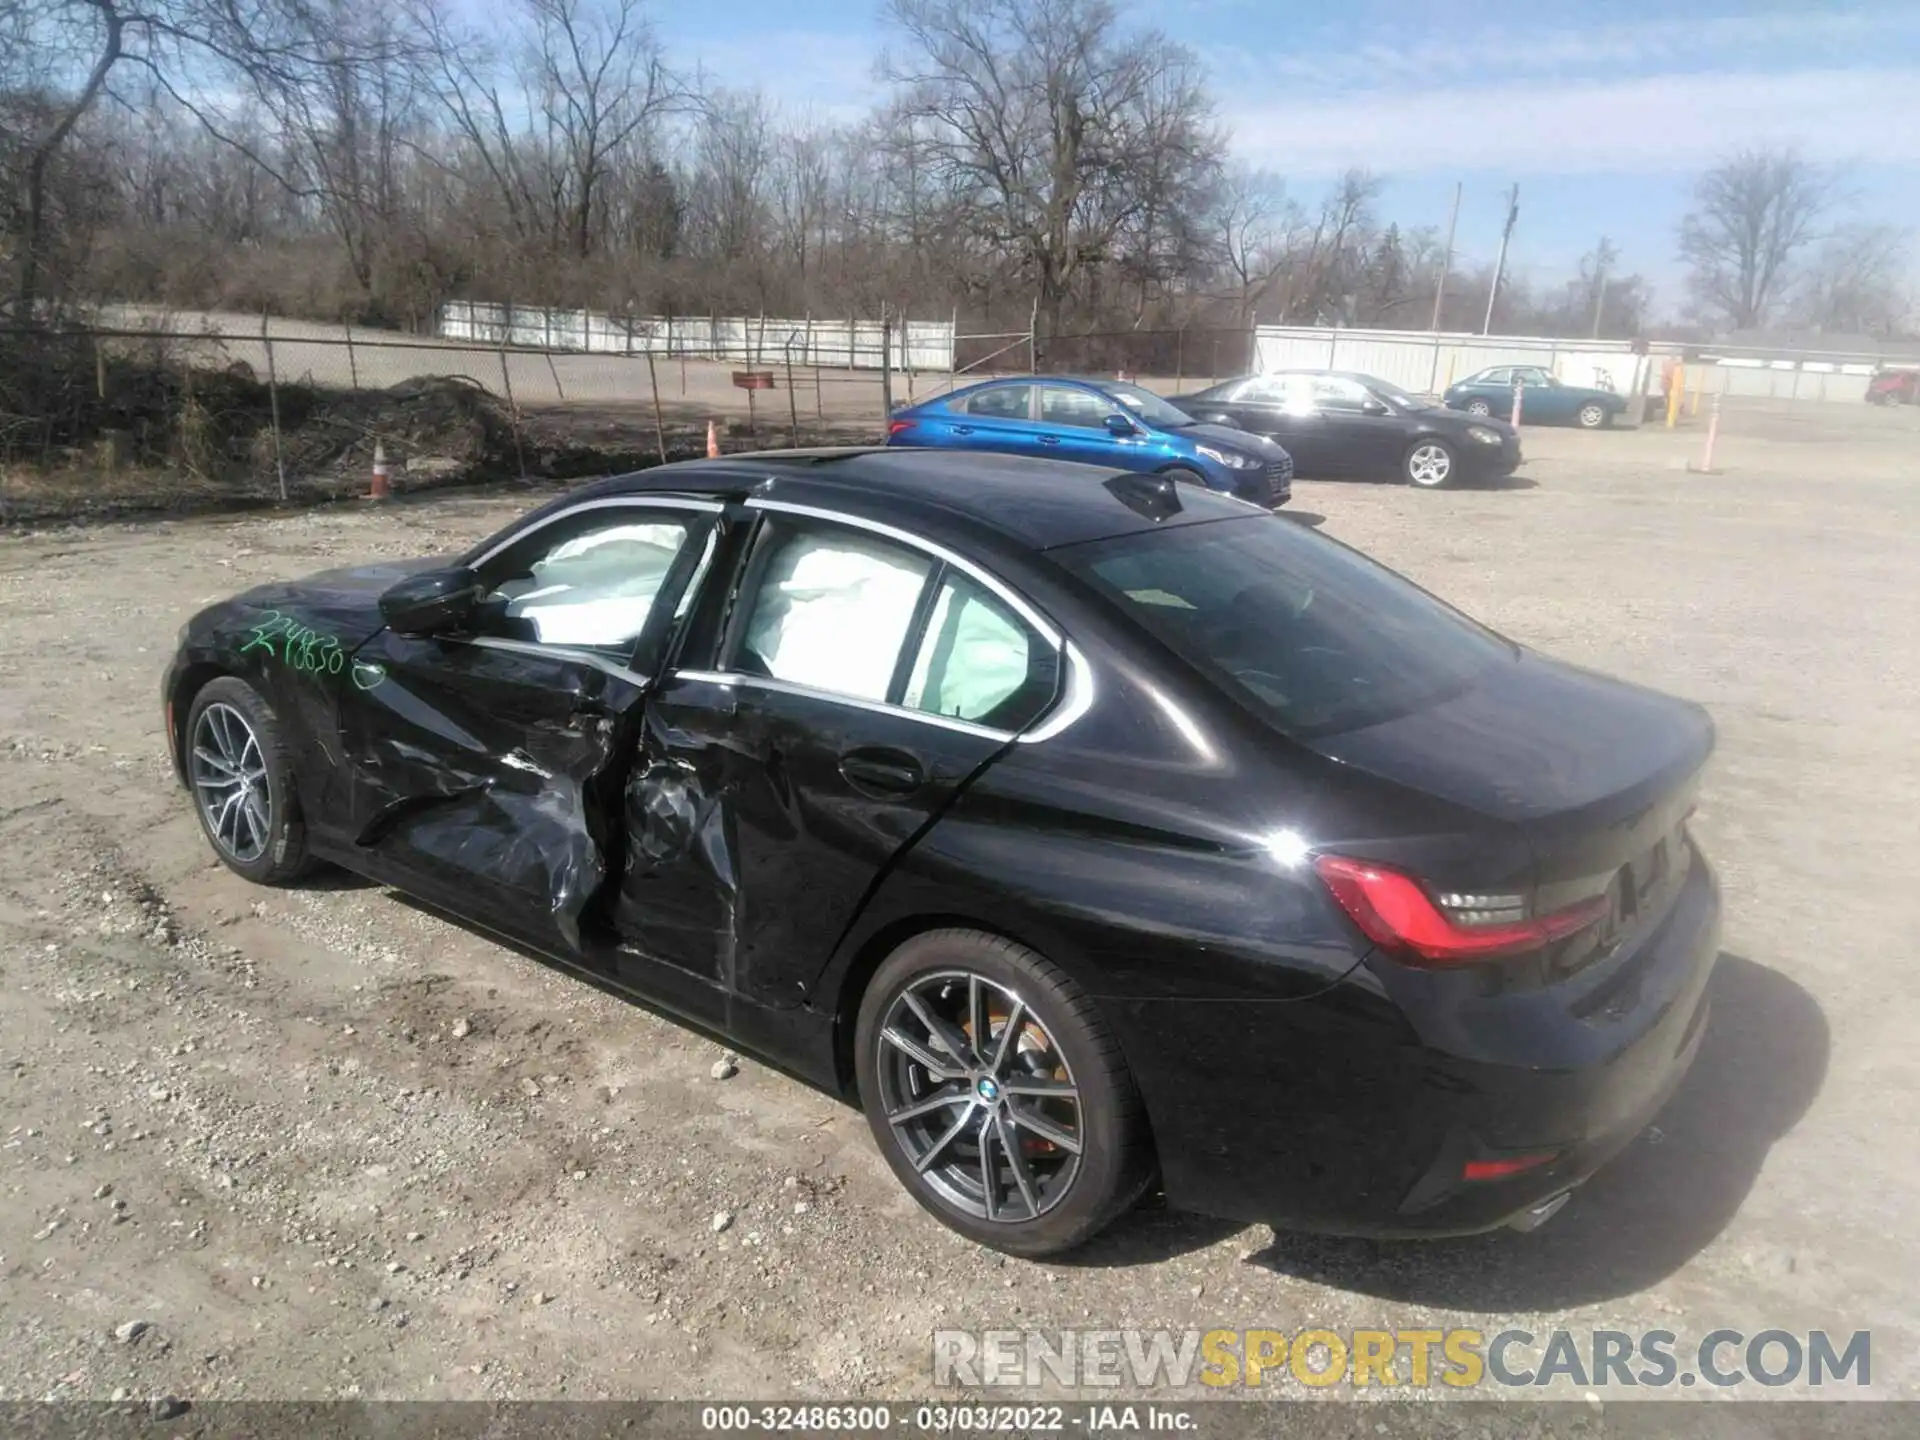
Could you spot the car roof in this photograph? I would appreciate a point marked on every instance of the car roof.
(1037, 504)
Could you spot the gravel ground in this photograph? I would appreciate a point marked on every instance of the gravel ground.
(317, 1143)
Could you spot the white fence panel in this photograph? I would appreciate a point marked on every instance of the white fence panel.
(919, 345)
(1425, 362)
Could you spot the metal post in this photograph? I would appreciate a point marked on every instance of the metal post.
(853, 362)
(273, 406)
(1179, 354)
(1514, 420)
(353, 370)
(906, 352)
(1446, 263)
(1500, 262)
(513, 408)
(886, 368)
(1033, 340)
(659, 425)
(793, 404)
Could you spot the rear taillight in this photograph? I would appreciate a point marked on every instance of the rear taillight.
(1395, 912)
(899, 427)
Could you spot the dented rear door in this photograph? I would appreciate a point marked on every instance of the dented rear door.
(863, 684)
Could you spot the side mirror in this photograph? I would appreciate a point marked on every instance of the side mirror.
(1374, 407)
(433, 602)
(1120, 425)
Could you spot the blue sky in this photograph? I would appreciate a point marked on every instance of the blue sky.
(1602, 111)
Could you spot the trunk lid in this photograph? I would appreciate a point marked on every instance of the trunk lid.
(1597, 774)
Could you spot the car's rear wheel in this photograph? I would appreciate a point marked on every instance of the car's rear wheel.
(1593, 415)
(1430, 464)
(997, 1095)
(1479, 407)
(242, 783)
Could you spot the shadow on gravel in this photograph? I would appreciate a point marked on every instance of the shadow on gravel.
(1305, 517)
(1659, 1203)
(1148, 1233)
(1503, 482)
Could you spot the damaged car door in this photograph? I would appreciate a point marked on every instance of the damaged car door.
(488, 757)
(861, 681)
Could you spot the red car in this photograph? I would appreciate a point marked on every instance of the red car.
(1894, 387)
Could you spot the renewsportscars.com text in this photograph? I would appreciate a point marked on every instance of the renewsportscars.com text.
(1363, 1359)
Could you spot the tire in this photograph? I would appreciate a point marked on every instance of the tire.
(1479, 408)
(1593, 416)
(1430, 464)
(1054, 1199)
(260, 834)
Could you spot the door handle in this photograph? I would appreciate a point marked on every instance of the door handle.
(1049, 439)
(879, 771)
(963, 429)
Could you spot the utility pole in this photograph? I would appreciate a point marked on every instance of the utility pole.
(1500, 264)
(1446, 263)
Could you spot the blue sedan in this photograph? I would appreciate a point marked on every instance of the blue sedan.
(1097, 422)
(1544, 397)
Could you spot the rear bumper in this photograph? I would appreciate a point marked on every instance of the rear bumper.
(1330, 1115)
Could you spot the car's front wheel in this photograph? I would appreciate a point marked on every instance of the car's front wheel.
(242, 783)
(1479, 408)
(1593, 415)
(1429, 464)
(997, 1094)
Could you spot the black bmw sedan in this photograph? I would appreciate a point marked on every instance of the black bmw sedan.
(1339, 423)
(1088, 830)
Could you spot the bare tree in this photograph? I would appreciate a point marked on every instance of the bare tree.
(1323, 271)
(1050, 129)
(598, 81)
(1860, 282)
(1754, 216)
(1254, 221)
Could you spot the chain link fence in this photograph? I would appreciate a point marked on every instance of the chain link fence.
(161, 409)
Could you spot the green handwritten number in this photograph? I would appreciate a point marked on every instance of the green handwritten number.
(262, 635)
(299, 647)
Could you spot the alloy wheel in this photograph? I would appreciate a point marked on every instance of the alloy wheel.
(978, 1097)
(1479, 407)
(229, 773)
(1429, 465)
(1591, 416)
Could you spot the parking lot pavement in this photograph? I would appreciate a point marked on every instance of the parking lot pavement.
(326, 1144)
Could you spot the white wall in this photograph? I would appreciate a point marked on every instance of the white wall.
(748, 339)
(1425, 362)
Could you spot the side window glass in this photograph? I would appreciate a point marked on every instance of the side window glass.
(1076, 408)
(831, 609)
(1534, 377)
(979, 661)
(1336, 394)
(1260, 390)
(1003, 402)
(1498, 377)
(587, 581)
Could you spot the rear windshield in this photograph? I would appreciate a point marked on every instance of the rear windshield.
(1314, 636)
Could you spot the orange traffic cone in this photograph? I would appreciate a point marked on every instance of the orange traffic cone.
(713, 439)
(380, 489)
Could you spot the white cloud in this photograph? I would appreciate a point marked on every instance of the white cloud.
(1676, 122)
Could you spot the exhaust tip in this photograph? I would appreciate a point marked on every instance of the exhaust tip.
(1534, 1218)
